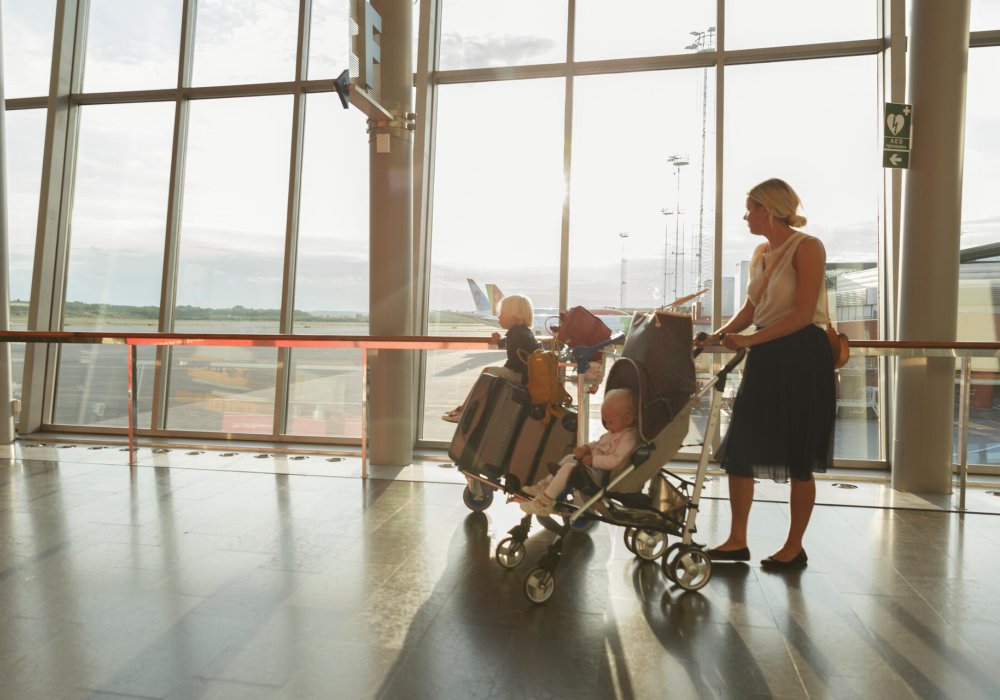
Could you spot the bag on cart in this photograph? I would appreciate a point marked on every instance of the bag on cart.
(539, 444)
(580, 327)
(548, 394)
(494, 412)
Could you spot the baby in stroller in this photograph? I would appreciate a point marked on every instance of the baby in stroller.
(588, 467)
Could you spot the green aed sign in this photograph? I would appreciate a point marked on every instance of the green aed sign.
(896, 135)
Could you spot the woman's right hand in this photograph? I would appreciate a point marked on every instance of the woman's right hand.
(702, 340)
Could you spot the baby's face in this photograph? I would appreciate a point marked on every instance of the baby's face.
(615, 416)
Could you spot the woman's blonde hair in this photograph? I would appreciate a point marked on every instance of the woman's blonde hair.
(780, 200)
(518, 306)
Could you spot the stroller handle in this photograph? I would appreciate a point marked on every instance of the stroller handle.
(582, 353)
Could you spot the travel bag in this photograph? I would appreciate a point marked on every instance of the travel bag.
(494, 412)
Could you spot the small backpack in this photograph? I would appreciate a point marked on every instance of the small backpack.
(548, 395)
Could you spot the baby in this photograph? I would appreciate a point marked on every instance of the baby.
(588, 467)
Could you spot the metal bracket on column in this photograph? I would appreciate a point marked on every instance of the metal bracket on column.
(399, 124)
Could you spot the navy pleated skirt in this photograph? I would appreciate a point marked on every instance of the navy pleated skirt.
(783, 416)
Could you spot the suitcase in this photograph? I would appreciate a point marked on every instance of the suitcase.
(494, 412)
(538, 445)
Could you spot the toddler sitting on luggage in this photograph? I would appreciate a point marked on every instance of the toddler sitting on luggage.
(516, 315)
(588, 467)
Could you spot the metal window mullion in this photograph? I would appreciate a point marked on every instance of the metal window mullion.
(175, 209)
(286, 320)
(44, 311)
(424, 147)
(892, 88)
(564, 240)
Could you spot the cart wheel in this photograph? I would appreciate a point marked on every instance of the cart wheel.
(668, 558)
(510, 553)
(691, 569)
(477, 504)
(630, 539)
(539, 585)
(650, 544)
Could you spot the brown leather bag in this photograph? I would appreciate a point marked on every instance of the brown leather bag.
(839, 344)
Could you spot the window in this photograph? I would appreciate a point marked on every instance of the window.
(512, 33)
(499, 191)
(132, 45)
(642, 28)
(828, 152)
(27, 46)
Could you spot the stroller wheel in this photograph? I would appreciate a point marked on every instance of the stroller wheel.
(668, 558)
(650, 544)
(539, 585)
(630, 539)
(583, 524)
(690, 569)
(477, 504)
(510, 553)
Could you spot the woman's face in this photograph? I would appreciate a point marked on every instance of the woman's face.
(755, 216)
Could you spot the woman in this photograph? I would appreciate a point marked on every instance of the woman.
(783, 416)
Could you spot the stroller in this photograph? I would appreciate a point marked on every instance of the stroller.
(649, 502)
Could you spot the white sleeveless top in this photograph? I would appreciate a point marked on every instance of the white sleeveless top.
(781, 282)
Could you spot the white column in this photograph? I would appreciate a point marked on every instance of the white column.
(392, 411)
(929, 247)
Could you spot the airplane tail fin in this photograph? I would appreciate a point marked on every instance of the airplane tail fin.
(482, 303)
(495, 295)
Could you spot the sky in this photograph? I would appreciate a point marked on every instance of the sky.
(500, 183)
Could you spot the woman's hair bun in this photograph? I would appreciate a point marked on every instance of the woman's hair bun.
(796, 221)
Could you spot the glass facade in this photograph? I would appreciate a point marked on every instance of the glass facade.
(582, 152)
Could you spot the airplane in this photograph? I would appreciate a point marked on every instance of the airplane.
(486, 311)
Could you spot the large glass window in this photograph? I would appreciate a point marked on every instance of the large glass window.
(499, 192)
(331, 289)
(985, 15)
(230, 263)
(25, 136)
(978, 293)
(475, 34)
(329, 41)
(27, 46)
(132, 45)
(245, 42)
(642, 28)
(831, 158)
(115, 257)
(753, 24)
(642, 217)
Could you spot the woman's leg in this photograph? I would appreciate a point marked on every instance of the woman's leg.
(800, 503)
(740, 500)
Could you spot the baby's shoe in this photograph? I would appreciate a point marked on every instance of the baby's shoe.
(536, 489)
(543, 505)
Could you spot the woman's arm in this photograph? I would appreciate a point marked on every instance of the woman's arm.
(809, 263)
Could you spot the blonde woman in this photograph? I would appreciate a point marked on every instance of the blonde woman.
(783, 416)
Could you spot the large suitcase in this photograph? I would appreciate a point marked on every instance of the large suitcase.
(494, 412)
(539, 444)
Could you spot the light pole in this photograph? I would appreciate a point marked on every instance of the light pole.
(623, 236)
(666, 251)
(678, 160)
(703, 41)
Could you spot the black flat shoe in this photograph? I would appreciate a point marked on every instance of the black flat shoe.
(797, 562)
(729, 554)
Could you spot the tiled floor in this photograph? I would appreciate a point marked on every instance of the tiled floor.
(203, 576)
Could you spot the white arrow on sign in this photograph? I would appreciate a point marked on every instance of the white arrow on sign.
(895, 159)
